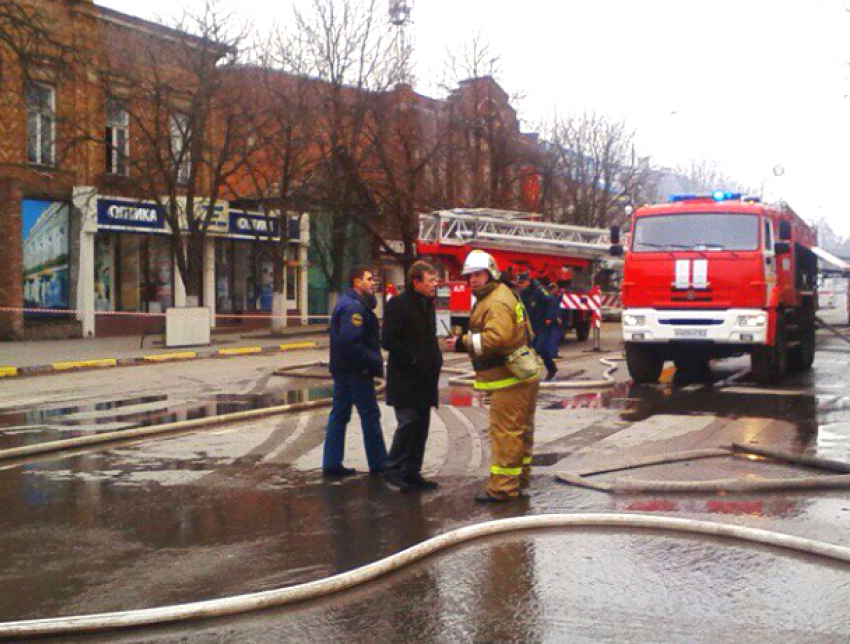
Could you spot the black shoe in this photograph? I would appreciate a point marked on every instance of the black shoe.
(420, 482)
(550, 374)
(394, 479)
(487, 498)
(339, 472)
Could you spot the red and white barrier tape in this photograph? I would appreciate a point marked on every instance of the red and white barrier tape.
(241, 316)
(591, 302)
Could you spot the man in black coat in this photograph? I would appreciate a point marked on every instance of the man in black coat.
(413, 371)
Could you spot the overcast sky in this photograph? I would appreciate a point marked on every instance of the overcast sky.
(750, 84)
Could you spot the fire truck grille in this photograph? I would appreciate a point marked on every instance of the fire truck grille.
(691, 322)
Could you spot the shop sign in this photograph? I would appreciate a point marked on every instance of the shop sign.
(218, 222)
(248, 226)
(119, 214)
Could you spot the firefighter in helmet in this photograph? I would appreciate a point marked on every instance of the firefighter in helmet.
(498, 342)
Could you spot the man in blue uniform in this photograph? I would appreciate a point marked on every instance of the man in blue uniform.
(355, 363)
(538, 304)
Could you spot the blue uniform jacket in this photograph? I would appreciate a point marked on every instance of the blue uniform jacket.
(355, 338)
(539, 305)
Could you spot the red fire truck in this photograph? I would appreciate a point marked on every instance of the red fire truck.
(571, 256)
(718, 276)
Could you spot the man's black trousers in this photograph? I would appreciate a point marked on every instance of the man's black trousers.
(408, 448)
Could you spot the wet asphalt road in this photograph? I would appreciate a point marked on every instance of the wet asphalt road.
(234, 510)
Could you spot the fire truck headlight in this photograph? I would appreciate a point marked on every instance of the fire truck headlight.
(752, 321)
(634, 320)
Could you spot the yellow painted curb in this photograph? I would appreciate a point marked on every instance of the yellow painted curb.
(8, 372)
(298, 345)
(83, 364)
(163, 357)
(241, 351)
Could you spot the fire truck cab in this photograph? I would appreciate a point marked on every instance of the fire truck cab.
(715, 276)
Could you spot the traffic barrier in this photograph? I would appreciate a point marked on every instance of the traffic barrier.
(335, 584)
(8, 372)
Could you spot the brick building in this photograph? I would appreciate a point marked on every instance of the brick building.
(87, 105)
(88, 213)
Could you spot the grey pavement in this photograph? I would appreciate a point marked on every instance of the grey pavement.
(243, 507)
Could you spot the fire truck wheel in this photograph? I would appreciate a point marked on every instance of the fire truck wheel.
(769, 363)
(802, 356)
(582, 330)
(645, 363)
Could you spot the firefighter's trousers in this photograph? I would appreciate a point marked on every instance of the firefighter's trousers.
(512, 438)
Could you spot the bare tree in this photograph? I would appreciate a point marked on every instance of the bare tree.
(191, 126)
(28, 40)
(706, 176)
(592, 168)
(349, 48)
(485, 151)
(276, 179)
(407, 135)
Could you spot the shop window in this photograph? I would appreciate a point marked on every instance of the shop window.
(180, 147)
(244, 277)
(41, 124)
(117, 139)
(145, 275)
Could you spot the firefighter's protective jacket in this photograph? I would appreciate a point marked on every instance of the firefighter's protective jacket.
(497, 327)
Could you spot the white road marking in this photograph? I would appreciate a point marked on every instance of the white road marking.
(303, 420)
(475, 458)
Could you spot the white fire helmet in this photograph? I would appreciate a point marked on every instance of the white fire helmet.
(478, 260)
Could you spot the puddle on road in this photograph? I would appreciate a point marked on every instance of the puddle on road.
(563, 586)
(38, 425)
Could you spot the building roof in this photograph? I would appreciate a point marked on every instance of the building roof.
(159, 30)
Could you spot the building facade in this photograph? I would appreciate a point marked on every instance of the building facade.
(85, 226)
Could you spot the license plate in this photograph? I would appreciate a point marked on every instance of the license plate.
(690, 333)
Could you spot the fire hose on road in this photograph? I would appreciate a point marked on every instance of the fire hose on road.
(138, 433)
(832, 329)
(239, 604)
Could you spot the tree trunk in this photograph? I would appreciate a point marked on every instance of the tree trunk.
(194, 279)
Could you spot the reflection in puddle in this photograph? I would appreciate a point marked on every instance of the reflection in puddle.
(42, 425)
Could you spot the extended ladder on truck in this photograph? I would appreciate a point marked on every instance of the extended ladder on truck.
(518, 241)
(487, 228)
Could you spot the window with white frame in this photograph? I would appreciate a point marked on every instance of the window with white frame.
(41, 123)
(117, 139)
(180, 146)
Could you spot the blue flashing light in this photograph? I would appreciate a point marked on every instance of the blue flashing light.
(717, 195)
(720, 195)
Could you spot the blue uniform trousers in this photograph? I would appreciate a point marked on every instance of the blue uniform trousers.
(358, 391)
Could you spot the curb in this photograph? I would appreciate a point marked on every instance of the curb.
(9, 372)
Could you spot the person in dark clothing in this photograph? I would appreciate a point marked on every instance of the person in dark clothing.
(413, 371)
(556, 330)
(538, 304)
(355, 363)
